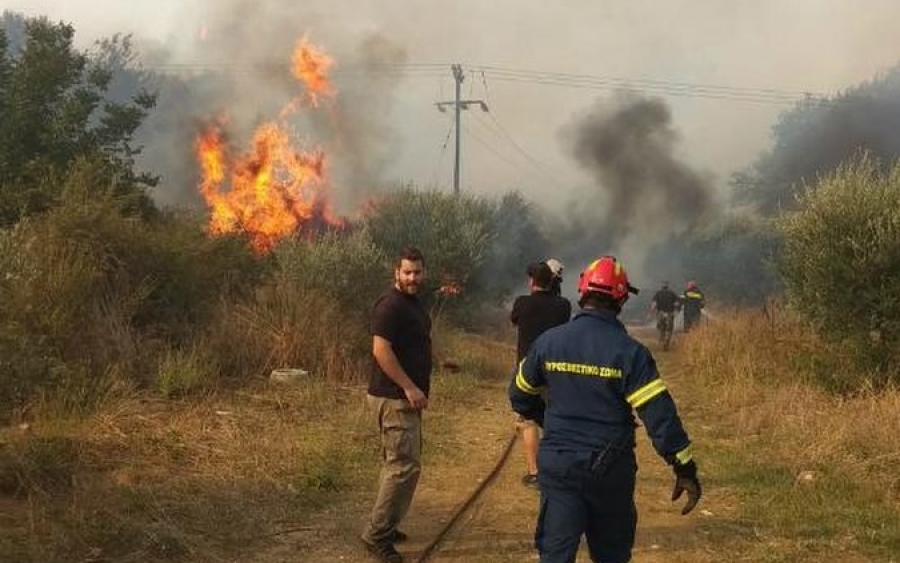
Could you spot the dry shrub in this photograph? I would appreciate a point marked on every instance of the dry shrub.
(289, 327)
(198, 479)
(763, 373)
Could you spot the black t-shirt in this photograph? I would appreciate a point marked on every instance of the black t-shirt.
(665, 300)
(535, 313)
(403, 321)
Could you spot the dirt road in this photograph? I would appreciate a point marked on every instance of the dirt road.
(499, 526)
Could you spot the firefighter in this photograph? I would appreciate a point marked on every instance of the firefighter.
(597, 377)
(556, 268)
(692, 302)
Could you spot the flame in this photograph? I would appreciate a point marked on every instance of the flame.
(310, 65)
(450, 286)
(273, 190)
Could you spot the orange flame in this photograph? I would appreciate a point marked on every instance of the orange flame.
(310, 66)
(274, 189)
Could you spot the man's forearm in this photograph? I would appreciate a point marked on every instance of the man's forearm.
(390, 365)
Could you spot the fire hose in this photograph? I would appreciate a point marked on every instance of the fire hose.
(432, 546)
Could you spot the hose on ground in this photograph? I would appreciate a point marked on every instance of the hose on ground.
(431, 548)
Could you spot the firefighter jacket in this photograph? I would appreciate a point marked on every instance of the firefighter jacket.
(596, 377)
(693, 301)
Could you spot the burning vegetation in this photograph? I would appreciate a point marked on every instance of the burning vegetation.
(273, 189)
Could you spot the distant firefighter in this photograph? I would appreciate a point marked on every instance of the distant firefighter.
(692, 302)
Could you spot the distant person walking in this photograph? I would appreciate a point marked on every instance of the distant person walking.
(398, 393)
(533, 314)
(664, 304)
(692, 302)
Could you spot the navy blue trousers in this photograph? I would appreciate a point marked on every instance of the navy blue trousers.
(576, 501)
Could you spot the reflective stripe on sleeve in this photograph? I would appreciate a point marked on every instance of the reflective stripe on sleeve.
(685, 455)
(522, 384)
(646, 393)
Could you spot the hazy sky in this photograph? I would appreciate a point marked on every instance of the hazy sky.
(785, 45)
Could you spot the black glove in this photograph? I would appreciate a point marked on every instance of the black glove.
(686, 480)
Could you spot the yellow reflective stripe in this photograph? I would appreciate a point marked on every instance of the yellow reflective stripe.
(523, 384)
(646, 393)
(685, 455)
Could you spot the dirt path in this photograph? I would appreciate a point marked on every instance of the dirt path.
(499, 527)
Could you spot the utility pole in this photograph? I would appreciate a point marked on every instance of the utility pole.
(458, 105)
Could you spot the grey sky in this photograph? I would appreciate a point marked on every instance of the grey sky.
(795, 45)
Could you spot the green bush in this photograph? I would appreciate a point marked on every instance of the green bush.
(841, 259)
(91, 296)
(453, 232)
(733, 260)
(517, 240)
(481, 244)
(347, 266)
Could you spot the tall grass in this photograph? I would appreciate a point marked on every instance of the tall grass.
(196, 480)
(812, 460)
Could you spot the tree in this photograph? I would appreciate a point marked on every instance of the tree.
(480, 244)
(817, 135)
(56, 112)
(841, 258)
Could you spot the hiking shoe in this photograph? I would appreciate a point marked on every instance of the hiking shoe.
(530, 480)
(384, 551)
(397, 537)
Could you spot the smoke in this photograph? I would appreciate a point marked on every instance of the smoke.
(643, 193)
(362, 133)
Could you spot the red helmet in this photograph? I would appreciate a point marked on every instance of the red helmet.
(607, 276)
(691, 285)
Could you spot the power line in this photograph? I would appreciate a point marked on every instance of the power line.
(518, 153)
(601, 81)
(440, 158)
(499, 155)
(504, 133)
(537, 77)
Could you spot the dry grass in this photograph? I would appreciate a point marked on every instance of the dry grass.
(206, 478)
(152, 480)
(810, 465)
(220, 476)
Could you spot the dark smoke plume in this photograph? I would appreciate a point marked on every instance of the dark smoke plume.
(628, 147)
(643, 194)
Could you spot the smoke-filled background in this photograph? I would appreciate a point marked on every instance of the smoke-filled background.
(709, 85)
(642, 192)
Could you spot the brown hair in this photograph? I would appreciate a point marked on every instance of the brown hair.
(410, 253)
(541, 274)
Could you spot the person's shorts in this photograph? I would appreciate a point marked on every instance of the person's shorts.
(523, 423)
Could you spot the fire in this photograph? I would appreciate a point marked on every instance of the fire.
(310, 65)
(273, 189)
